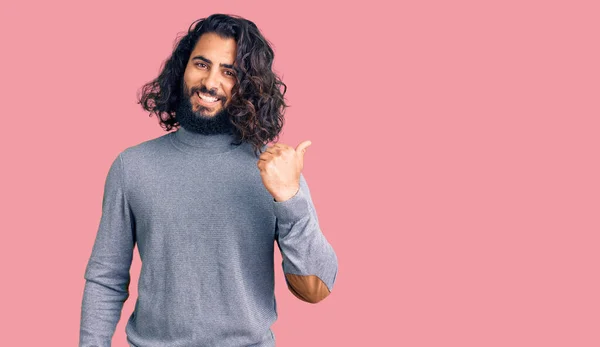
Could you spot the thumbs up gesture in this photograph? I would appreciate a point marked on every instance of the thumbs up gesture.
(280, 167)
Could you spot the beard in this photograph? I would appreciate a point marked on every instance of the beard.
(198, 121)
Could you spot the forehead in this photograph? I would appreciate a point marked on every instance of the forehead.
(215, 48)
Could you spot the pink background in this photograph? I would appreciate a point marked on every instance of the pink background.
(454, 165)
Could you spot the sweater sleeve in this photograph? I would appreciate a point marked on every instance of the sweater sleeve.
(107, 272)
(309, 262)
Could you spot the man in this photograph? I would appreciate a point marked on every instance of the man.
(206, 203)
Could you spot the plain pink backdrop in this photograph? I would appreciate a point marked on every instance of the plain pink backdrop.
(454, 165)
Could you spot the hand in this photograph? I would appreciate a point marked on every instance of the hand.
(280, 167)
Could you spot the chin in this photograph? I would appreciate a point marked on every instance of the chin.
(202, 112)
(210, 114)
(204, 115)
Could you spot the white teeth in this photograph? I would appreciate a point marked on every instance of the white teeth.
(207, 98)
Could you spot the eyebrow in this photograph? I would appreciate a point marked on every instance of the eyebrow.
(199, 57)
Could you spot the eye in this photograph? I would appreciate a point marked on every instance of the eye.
(201, 65)
(229, 73)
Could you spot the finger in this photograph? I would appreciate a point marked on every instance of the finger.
(281, 145)
(266, 156)
(303, 145)
(273, 150)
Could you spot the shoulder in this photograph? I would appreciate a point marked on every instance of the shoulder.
(146, 150)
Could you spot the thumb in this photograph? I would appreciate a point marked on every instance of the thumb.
(302, 148)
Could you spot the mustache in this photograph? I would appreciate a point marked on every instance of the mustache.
(204, 90)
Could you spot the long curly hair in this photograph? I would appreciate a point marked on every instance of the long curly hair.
(257, 100)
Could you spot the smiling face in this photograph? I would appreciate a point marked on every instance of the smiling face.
(210, 75)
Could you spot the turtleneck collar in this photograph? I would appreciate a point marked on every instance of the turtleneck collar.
(196, 143)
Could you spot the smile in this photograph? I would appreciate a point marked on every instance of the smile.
(206, 99)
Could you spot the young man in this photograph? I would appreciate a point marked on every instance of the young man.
(206, 203)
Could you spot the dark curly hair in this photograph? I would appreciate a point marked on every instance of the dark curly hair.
(257, 102)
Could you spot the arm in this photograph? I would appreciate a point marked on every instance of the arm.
(309, 262)
(107, 272)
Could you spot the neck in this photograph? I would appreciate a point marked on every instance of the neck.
(207, 144)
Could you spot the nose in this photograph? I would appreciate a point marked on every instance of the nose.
(211, 82)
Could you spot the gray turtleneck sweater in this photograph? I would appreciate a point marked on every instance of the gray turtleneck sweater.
(205, 227)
